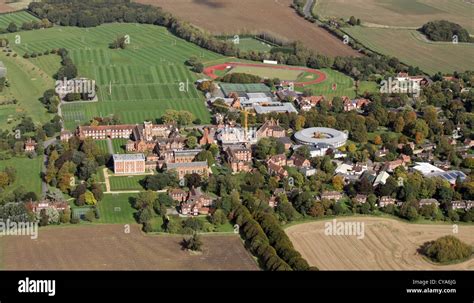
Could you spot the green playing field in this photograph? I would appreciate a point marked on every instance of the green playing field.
(138, 83)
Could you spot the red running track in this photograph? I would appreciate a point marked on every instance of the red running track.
(210, 71)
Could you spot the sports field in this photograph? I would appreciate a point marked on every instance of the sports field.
(27, 85)
(344, 85)
(301, 76)
(27, 173)
(116, 209)
(17, 17)
(387, 244)
(137, 83)
(268, 73)
(126, 183)
(399, 13)
(251, 44)
(411, 47)
(49, 64)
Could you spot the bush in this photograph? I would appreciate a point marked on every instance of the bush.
(447, 249)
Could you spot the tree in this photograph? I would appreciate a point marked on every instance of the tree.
(191, 142)
(193, 180)
(193, 243)
(12, 27)
(90, 215)
(352, 21)
(89, 198)
(218, 217)
(338, 182)
(145, 200)
(317, 210)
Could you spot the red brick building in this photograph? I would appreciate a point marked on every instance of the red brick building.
(129, 164)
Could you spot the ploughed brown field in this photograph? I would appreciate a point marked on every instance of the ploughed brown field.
(255, 16)
(388, 245)
(107, 247)
(4, 7)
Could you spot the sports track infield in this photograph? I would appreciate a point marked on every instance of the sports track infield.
(286, 73)
(138, 83)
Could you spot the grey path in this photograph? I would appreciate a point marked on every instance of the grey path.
(110, 146)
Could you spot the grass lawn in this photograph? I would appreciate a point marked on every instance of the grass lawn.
(27, 173)
(118, 145)
(117, 209)
(251, 44)
(380, 131)
(156, 224)
(27, 85)
(126, 183)
(138, 83)
(262, 72)
(368, 87)
(416, 50)
(50, 64)
(345, 85)
(18, 17)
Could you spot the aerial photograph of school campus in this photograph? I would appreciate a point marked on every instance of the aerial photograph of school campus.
(243, 135)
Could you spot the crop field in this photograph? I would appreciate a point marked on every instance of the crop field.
(27, 173)
(388, 244)
(138, 83)
(109, 247)
(116, 209)
(276, 17)
(415, 50)
(399, 13)
(126, 183)
(27, 85)
(17, 17)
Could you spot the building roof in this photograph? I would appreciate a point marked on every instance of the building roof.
(128, 157)
(426, 168)
(185, 165)
(275, 107)
(327, 135)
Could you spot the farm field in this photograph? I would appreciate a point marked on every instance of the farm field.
(27, 173)
(116, 209)
(18, 17)
(110, 248)
(138, 83)
(399, 13)
(126, 183)
(276, 17)
(415, 50)
(388, 245)
(27, 85)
